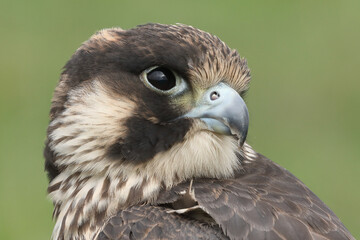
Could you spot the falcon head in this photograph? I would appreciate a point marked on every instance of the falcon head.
(140, 110)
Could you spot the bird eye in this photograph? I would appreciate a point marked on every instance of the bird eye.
(163, 80)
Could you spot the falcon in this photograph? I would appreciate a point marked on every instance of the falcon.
(146, 140)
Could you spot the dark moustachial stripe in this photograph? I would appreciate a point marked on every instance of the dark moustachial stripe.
(150, 129)
(145, 139)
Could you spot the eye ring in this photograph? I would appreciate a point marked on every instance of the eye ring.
(163, 80)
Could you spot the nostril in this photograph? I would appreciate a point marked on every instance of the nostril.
(214, 95)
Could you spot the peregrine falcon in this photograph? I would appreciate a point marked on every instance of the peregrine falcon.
(146, 140)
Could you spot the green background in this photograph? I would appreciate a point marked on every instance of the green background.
(304, 98)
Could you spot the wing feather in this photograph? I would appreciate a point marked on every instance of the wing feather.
(153, 222)
(263, 201)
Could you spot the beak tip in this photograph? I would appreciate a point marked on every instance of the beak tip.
(242, 140)
(241, 137)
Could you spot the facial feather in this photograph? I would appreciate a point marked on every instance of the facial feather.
(111, 142)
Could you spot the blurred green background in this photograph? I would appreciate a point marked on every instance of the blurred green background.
(304, 99)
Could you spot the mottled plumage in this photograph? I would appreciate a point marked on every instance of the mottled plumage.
(146, 141)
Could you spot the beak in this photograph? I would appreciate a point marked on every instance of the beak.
(223, 111)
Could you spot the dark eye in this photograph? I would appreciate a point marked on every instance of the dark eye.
(161, 78)
(163, 81)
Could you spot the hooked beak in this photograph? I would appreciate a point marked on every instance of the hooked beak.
(223, 111)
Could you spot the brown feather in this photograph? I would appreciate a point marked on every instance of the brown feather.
(120, 164)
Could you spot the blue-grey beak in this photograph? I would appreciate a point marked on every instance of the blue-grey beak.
(223, 110)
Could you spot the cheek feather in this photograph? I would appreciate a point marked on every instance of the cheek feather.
(201, 154)
(91, 123)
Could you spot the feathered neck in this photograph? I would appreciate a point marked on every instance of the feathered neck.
(88, 191)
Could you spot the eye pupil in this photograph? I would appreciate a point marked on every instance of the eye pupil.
(161, 78)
